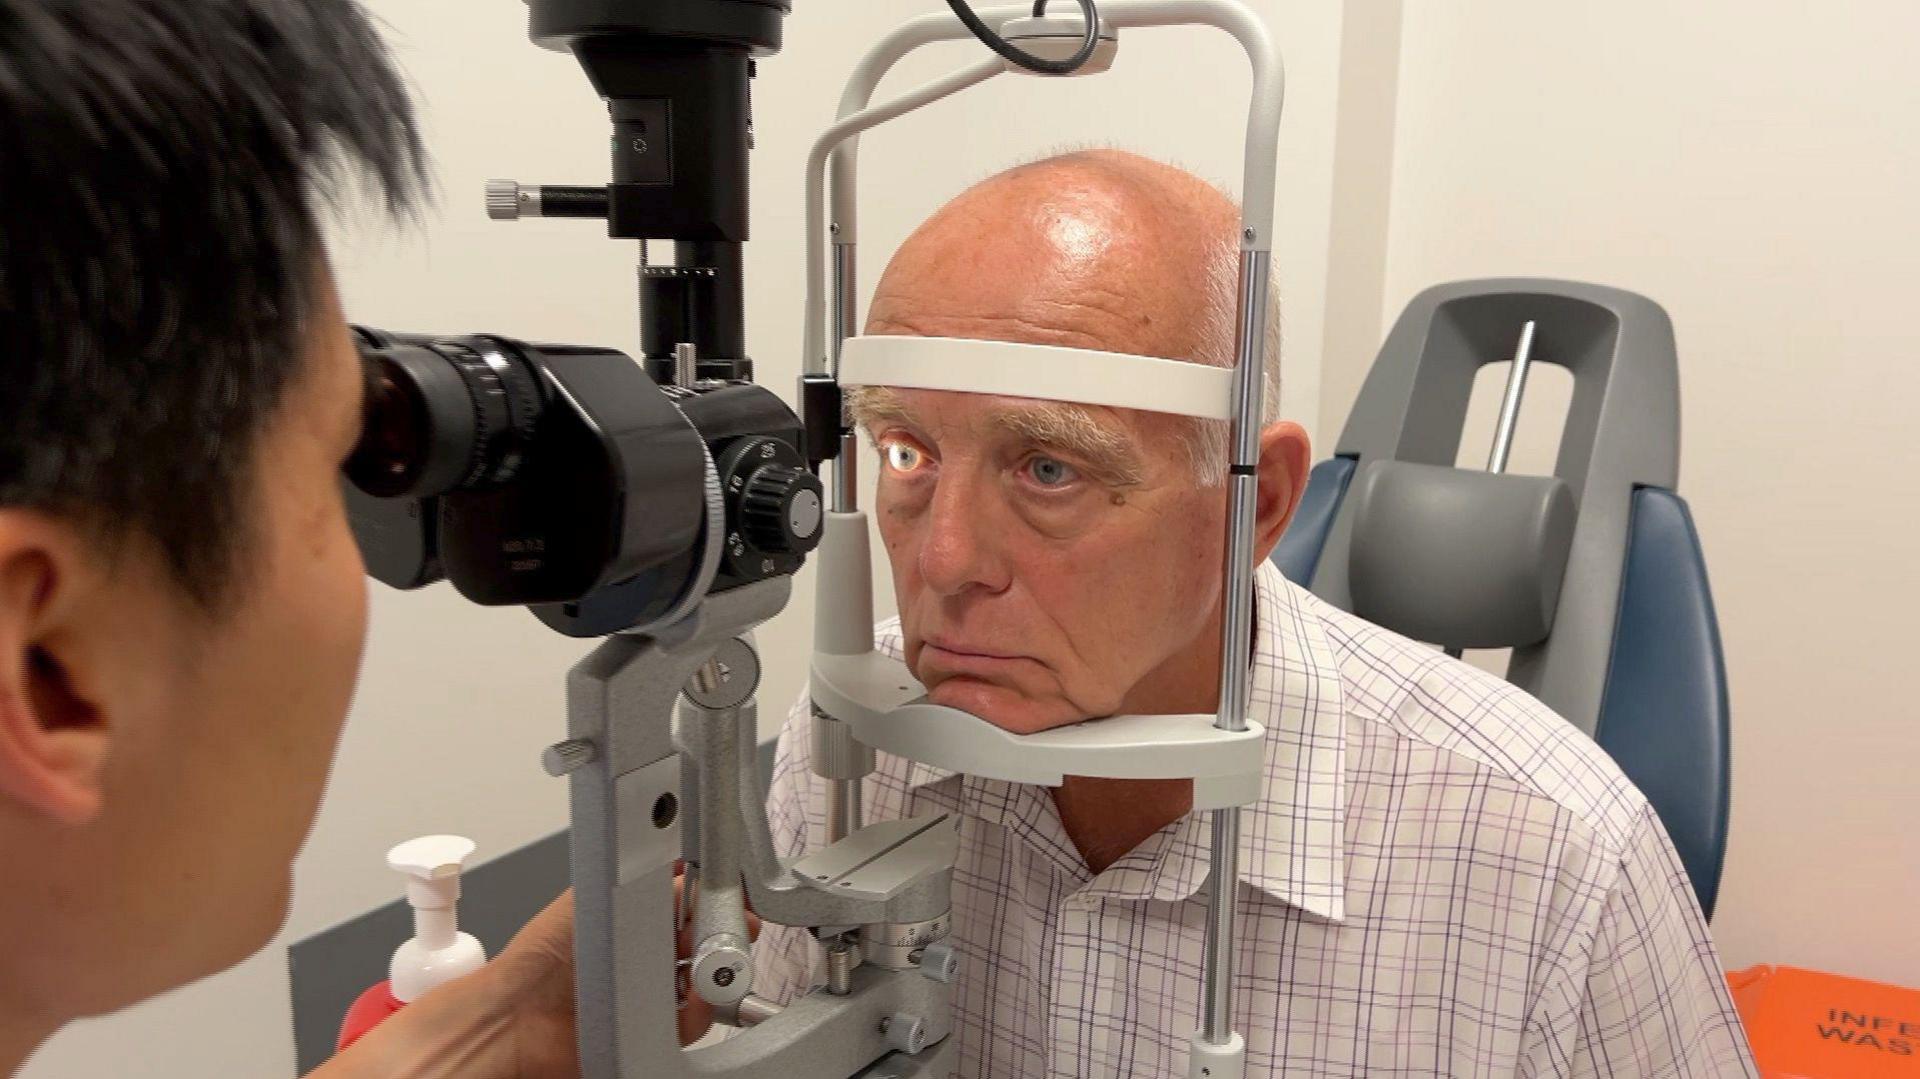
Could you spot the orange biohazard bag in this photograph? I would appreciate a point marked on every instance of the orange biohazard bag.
(1807, 1025)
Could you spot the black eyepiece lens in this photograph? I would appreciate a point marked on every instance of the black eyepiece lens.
(394, 444)
(422, 419)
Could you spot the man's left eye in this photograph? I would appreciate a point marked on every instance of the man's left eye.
(1048, 472)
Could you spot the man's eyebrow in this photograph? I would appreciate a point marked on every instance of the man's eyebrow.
(872, 405)
(1108, 454)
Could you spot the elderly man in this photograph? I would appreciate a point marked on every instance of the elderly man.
(1443, 877)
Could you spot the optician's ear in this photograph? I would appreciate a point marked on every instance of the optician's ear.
(1285, 454)
(53, 740)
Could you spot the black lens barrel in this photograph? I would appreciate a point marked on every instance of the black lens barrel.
(418, 432)
(441, 414)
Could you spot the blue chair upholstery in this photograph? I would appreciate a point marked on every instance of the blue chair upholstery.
(1664, 717)
(1298, 552)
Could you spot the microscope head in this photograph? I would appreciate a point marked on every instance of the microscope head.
(646, 25)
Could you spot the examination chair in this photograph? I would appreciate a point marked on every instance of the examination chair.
(1592, 576)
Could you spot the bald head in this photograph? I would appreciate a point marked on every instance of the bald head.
(1055, 562)
(1097, 249)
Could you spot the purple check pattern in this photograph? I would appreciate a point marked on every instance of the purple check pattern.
(1442, 878)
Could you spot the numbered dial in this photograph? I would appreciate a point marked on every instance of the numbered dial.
(780, 509)
(775, 508)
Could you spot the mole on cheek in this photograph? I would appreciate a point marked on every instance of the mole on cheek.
(1118, 498)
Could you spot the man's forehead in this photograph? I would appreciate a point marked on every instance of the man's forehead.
(1097, 249)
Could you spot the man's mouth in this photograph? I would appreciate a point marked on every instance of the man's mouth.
(956, 658)
(956, 647)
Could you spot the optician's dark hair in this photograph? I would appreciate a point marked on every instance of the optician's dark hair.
(163, 167)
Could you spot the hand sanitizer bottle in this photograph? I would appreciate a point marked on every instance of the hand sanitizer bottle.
(438, 952)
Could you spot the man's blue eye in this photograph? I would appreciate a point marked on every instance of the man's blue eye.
(1050, 473)
(902, 457)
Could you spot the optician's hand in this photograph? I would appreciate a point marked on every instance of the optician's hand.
(696, 1016)
(511, 1019)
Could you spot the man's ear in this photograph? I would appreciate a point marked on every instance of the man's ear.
(1285, 456)
(53, 741)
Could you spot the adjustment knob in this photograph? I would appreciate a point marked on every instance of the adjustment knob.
(780, 509)
(905, 1033)
(722, 970)
(940, 962)
(505, 200)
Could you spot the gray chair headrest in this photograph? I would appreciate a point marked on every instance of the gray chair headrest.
(1459, 558)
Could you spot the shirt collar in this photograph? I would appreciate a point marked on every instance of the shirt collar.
(1291, 841)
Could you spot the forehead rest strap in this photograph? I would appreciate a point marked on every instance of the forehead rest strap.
(1042, 372)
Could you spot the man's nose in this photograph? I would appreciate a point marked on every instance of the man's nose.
(961, 549)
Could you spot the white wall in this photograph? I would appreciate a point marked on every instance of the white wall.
(1753, 168)
(456, 701)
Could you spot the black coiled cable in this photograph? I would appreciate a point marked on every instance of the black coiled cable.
(1026, 59)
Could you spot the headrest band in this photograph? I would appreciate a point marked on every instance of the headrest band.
(1043, 372)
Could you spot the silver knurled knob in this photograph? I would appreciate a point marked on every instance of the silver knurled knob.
(940, 962)
(564, 757)
(836, 754)
(503, 200)
(905, 1033)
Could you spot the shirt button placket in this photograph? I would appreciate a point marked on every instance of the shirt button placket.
(1074, 1035)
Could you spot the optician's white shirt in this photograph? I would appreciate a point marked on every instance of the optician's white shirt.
(1443, 878)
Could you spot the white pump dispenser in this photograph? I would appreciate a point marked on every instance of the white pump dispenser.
(438, 952)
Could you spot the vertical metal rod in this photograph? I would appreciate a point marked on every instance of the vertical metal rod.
(846, 467)
(1217, 971)
(851, 813)
(1236, 635)
(639, 298)
(685, 365)
(845, 814)
(843, 301)
(1243, 492)
(1510, 404)
(722, 970)
(836, 813)
(840, 963)
(846, 475)
(844, 811)
(717, 321)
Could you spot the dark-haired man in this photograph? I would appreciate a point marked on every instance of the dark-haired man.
(182, 605)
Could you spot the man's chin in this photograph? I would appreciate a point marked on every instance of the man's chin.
(1002, 707)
